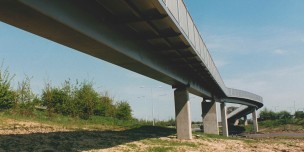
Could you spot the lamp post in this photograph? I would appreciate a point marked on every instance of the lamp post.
(161, 95)
(146, 119)
(153, 120)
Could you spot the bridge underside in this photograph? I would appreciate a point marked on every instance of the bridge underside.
(134, 34)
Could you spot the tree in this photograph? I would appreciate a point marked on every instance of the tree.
(24, 93)
(86, 98)
(105, 107)
(283, 115)
(266, 114)
(7, 96)
(299, 114)
(123, 110)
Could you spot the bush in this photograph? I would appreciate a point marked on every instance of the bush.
(105, 107)
(7, 96)
(24, 93)
(123, 110)
(299, 114)
(86, 99)
(283, 115)
(74, 100)
(267, 115)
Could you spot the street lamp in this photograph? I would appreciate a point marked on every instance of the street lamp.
(153, 120)
(145, 103)
(161, 95)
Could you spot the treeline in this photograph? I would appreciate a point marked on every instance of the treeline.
(266, 114)
(75, 100)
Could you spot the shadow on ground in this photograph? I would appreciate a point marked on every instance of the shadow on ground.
(79, 140)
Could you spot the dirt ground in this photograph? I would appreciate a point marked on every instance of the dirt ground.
(32, 136)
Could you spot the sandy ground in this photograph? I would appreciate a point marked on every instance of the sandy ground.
(31, 136)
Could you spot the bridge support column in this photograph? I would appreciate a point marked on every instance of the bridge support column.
(210, 123)
(245, 121)
(255, 121)
(224, 119)
(236, 122)
(182, 113)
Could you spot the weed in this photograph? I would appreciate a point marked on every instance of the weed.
(132, 145)
(160, 149)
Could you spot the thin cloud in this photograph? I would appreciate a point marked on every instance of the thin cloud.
(263, 40)
(278, 87)
(280, 52)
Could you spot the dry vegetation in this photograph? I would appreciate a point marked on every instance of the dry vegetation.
(33, 136)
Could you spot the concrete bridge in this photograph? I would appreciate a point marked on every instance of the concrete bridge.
(155, 38)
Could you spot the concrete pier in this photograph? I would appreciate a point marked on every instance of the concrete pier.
(210, 123)
(224, 120)
(182, 113)
(255, 121)
(245, 121)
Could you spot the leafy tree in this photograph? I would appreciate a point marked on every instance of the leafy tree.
(105, 107)
(7, 96)
(24, 92)
(123, 110)
(86, 98)
(266, 114)
(283, 115)
(299, 114)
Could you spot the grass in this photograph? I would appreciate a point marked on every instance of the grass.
(211, 136)
(160, 149)
(95, 122)
(281, 122)
(168, 143)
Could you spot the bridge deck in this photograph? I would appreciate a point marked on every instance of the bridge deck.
(156, 38)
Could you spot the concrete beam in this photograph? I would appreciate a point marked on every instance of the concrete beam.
(255, 121)
(224, 120)
(210, 123)
(182, 113)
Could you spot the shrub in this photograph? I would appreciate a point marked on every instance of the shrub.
(105, 107)
(24, 93)
(283, 115)
(267, 115)
(123, 110)
(299, 114)
(86, 99)
(7, 96)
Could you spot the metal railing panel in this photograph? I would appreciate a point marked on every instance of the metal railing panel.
(183, 20)
(197, 39)
(173, 8)
(191, 29)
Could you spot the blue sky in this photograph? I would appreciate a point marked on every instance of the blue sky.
(257, 45)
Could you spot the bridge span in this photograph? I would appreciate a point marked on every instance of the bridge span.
(155, 38)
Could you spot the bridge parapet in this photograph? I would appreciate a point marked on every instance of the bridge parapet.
(235, 93)
(179, 13)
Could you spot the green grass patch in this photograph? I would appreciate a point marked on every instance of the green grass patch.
(95, 122)
(160, 149)
(169, 143)
(132, 145)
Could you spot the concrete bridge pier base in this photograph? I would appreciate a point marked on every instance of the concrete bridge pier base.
(210, 123)
(224, 119)
(182, 113)
(245, 121)
(236, 122)
(255, 121)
